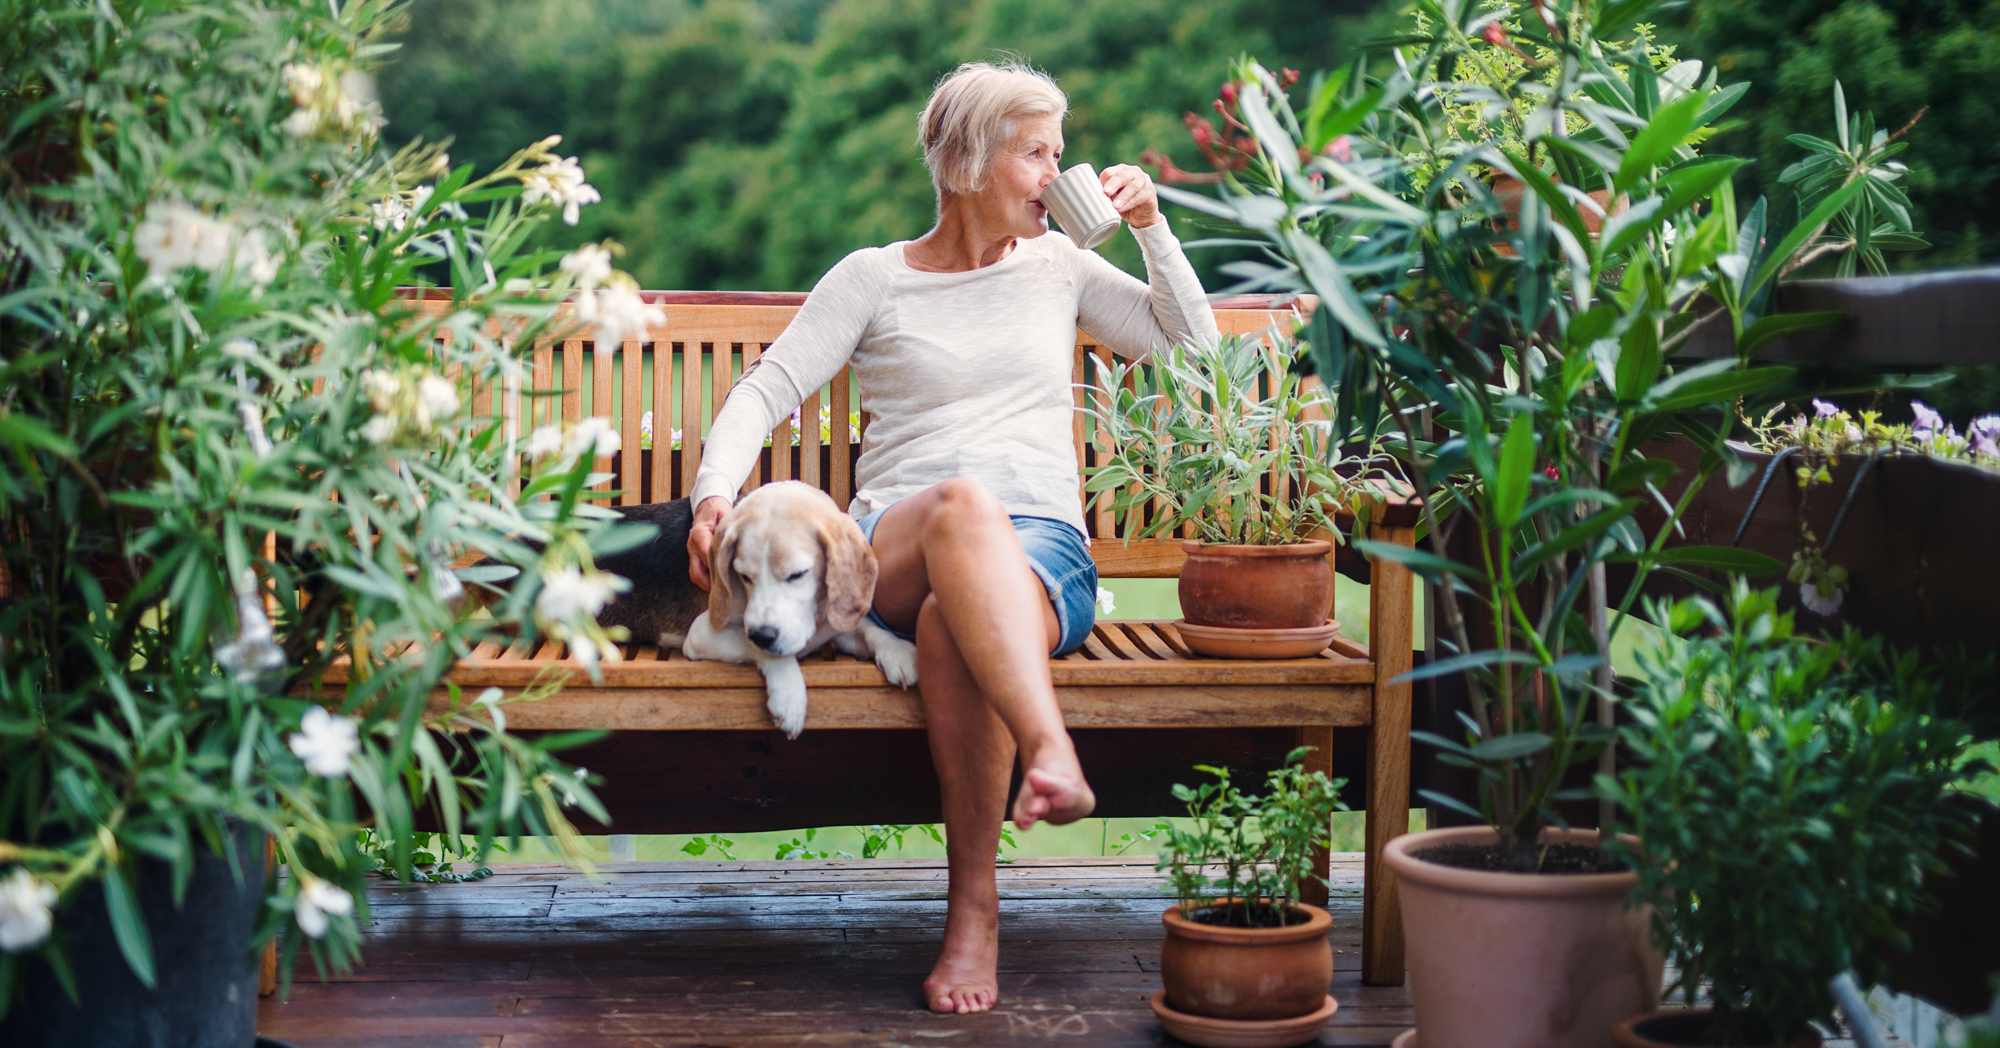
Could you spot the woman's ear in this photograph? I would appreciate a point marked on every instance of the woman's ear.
(725, 596)
(849, 582)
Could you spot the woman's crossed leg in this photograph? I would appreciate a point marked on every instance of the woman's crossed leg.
(953, 573)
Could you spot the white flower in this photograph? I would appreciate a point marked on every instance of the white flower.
(560, 182)
(593, 434)
(646, 426)
(544, 441)
(304, 81)
(1822, 605)
(170, 238)
(437, 398)
(568, 593)
(325, 742)
(1106, 601)
(589, 266)
(25, 919)
(239, 349)
(381, 387)
(378, 430)
(176, 236)
(619, 312)
(302, 123)
(318, 898)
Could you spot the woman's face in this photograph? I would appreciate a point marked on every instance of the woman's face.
(1012, 200)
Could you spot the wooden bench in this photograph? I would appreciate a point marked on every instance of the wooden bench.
(1135, 680)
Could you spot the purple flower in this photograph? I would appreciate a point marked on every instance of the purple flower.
(1929, 423)
(1985, 427)
(1987, 443)
(1824, 409)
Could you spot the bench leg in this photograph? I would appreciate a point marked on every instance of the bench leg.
(1320, 738)
(267, 965)
(1389, 638)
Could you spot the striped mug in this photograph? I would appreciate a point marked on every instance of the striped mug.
(1080, 206)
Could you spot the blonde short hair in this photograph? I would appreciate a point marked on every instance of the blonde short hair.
(976, 112)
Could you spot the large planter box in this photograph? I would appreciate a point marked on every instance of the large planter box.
(1920, 539)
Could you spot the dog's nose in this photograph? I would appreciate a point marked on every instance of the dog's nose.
(762, 636)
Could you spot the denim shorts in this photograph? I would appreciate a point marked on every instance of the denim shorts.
(1058, 557)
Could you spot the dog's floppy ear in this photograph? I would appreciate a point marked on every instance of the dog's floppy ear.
(850, 572)
(725, 591)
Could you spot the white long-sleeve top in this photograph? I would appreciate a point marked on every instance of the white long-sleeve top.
(965, 374)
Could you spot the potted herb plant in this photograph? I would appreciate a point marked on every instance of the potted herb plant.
(1245, 964)
(230, 454)
(1790, 796)
(1187, 440)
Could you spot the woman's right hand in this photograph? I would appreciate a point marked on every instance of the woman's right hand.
(701, 536)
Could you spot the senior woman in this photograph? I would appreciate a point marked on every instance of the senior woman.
(961, 342)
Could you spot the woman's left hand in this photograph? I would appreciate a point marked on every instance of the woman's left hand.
(1132, 193)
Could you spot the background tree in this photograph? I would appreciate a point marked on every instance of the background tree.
(752, 143)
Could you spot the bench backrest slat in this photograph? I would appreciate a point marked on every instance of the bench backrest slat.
(707, 342)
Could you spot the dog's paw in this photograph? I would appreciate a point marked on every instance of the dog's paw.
(788, 710)
(897, 659)
(672, 641)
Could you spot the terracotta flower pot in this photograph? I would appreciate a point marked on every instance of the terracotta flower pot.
(1247, 973)
(1257, 587)
(1676, 1027)
(1520, 960)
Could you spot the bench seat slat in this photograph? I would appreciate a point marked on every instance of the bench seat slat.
(627, 708)
(1114, 658)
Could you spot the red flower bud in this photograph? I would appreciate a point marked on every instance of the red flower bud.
(1229, 92)
(1496, 34)
(1289, 77)
(1553, 473)
(1220, 108)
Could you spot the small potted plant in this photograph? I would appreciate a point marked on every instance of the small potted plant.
(1193, 438)
(1790, 796)
(1245, 963)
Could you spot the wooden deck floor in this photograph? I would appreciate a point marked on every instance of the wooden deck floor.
(769, 953)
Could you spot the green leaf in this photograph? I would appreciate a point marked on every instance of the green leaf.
(1807, 226)
(1460, 663)
(1655, 144)
(128, 925)
(1638, 361)
(1516, 466)
(1722, 558)
(1423, 562)
(1757, 335)
(1512, 747)
(1690, 184)
(1709, 384)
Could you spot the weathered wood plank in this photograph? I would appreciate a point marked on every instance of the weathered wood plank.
(630, 707)
(1390, 603)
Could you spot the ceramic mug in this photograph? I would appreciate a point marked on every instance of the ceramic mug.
(1078, 201)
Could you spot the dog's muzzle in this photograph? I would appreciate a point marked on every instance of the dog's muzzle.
(762, 636)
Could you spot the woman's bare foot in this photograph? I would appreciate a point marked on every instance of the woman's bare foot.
(963, 980)
(1053, 794)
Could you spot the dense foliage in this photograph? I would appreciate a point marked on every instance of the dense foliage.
(231, 455)
(1788, 795)
(752, 143)
(1517, 347)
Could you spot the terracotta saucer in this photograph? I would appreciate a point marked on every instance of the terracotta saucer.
(1225, 643)
(1242, 1033)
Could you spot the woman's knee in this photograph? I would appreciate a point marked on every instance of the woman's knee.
(961, 501)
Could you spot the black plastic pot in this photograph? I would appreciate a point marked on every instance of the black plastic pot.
(206, 992)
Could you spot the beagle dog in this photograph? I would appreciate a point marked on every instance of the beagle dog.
(789, 572)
